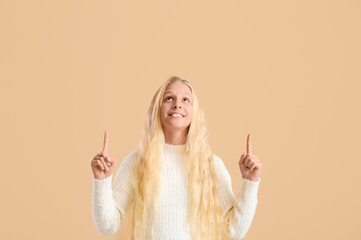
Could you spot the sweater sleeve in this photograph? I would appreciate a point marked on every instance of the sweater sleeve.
(239, 211)
(111, 202)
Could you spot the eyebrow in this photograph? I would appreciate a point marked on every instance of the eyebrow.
(185, 93)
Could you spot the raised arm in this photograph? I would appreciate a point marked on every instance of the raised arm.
(111, 202)
(237, 212)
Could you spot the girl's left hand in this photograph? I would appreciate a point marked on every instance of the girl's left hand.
(249, 164)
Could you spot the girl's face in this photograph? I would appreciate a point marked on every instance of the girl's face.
(177, 107)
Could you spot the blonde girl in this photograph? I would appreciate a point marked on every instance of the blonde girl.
(172, 186)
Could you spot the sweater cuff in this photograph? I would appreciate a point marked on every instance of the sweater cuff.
(103, 187)
(245, 179)
(249, 190)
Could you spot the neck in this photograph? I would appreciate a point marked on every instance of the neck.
(177, 137)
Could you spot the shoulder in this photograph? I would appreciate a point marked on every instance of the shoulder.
(128, 163)
(218, 162)
(129, 160)
(220, 167)
(217, 159)
(131, 157)
(125, 172)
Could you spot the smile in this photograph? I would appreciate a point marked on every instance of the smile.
(176, 115)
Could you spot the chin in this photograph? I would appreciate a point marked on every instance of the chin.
(176, 126)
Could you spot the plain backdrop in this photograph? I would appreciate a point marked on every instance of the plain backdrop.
(287, 72)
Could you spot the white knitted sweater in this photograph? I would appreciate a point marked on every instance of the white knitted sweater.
(111, 202)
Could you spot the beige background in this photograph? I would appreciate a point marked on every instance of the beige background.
(288, 72)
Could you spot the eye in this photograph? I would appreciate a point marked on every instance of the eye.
(186, 99)
(167, 98)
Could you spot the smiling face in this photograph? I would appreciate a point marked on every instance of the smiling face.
(177, 107)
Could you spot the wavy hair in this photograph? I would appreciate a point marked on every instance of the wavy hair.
(206, 221)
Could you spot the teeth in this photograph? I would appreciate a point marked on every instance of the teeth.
(176, 115)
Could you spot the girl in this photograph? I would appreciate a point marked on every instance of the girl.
(173, 186)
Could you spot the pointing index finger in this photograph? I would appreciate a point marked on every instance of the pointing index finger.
(106, 142)
(249, 148)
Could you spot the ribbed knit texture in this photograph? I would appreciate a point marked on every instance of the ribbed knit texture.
(111, 202)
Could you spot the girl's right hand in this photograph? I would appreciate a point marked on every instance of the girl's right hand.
(102, 164)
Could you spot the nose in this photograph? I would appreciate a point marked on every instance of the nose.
(176, 105)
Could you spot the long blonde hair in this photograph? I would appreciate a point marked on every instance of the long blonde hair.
(205, 211)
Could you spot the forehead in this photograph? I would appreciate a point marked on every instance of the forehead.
(178, 88)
